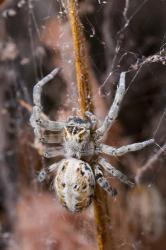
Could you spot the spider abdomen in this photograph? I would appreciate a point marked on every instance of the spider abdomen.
(74, 184)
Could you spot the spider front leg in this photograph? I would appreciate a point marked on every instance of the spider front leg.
(101, 180)
(38, 120)
(113, 113)
(114, 172)
(124, 149)
(37, 90)
(40, 124)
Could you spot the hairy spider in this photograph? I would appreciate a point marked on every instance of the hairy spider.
(81, 147)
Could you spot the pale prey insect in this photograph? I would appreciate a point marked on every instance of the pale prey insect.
(79, 141)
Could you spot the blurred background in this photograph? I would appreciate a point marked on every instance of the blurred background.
(35, 37)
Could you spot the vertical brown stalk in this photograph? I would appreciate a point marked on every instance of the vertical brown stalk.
(85, 100)
(82, 77)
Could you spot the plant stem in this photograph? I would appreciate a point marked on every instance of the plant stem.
(82, 77)
(101, 211)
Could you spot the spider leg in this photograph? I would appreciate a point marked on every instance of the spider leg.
(101, 180)
(37, 117)
(41, 136)
(113, 112)
(114, 172)
(38, 133)
(44, 172)
(124, 149)
(51, 138)
(53, 167)
(37, 90)
(51, 152)
(42, 175)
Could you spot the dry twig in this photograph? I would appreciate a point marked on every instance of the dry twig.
(85, 100)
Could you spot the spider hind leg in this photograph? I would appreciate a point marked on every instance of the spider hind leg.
(42, 175)
(101, 180)
(114, 172)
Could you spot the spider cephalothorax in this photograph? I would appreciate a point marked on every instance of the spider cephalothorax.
(81, 145)
(78, 140)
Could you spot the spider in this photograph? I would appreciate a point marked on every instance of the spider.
(82, 166)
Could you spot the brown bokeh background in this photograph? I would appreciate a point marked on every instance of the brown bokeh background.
(121, 35)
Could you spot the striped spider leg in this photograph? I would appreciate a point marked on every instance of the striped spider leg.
(113, 112)
(119, 152)
(114, 172)
(124, 149)
(38, 120)
(101, 131)
(102, 181)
